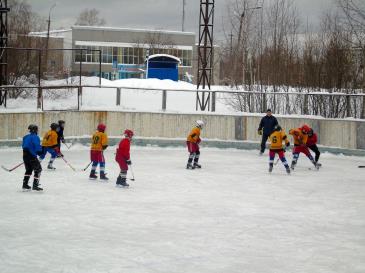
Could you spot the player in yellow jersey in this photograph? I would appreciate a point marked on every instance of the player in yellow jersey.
(50, 145)
(192, 143)
(300, 136)
(276, 147)
(99, 143)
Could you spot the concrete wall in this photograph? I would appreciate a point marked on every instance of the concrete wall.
(343, 134)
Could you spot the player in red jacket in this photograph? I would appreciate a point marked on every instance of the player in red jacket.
(312, 144)
(123, 157)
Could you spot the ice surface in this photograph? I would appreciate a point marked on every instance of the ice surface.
(230, 216)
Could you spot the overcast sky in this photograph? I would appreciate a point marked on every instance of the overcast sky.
(157, 14)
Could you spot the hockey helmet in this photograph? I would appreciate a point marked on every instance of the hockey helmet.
(200, 123)
(128, 133)
(277, 128)
(305, 129)
(101, 127)
(33, 128)
(61, 123)
(54, 126)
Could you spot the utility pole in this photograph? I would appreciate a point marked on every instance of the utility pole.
(47, 40)
(183, 16)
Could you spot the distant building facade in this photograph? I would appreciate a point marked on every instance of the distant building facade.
(123, 51)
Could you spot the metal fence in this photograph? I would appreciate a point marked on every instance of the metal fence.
(329, 105)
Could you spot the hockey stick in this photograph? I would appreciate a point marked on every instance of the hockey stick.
(276, 162)
(68, 147)
(68, 164)
(132, 179)
(12, 169)
(84, 169)
(361, 166)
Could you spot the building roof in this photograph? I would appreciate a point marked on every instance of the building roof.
(133, 30)
(164, 55)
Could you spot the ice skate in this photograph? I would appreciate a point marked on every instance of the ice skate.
(36, 186)
(190, 166)
(26, 187)
(103, 177)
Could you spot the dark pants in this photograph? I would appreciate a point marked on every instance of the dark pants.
(31, 164)
(315, 149)
(263, 142)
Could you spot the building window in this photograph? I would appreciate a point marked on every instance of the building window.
(127, 55)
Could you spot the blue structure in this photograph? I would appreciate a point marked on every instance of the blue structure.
(163, 66)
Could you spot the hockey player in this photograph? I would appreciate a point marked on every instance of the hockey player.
(266, 126)
(300, 136)
(312, 144)
(98, 145)
(276, 147)
(31, 148)
(60, 136)
(123, 157)
(49, 144)
(192, 142)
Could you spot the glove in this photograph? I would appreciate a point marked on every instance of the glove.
(198, 141)
(63, 140)
(129, 162)
(287, 144)
(259, 132)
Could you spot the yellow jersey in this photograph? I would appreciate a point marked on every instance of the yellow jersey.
(50, 139)
(298, 136)
(194, 135)
(99, 141)
(276, 140)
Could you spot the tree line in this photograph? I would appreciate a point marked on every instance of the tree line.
(273, 50)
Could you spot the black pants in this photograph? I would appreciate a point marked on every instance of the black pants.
(263, 142)
(31, 164)
(315, 149)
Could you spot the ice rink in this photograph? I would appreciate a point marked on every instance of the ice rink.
(230, 216)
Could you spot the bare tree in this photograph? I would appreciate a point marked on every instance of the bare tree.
(90, 17)
(23, 65)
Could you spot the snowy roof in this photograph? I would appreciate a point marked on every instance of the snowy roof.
(52, 33)
(133, 30)
(164, 55)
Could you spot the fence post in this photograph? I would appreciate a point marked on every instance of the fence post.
(118, 95)
(39, 95)
(363, 108)
(79, 97)
(213, 100)
(348, 105)
(164, 95)
(305, 110)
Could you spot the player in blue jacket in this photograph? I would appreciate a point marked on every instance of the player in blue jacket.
(31, 149)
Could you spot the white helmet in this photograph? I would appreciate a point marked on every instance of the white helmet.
(200, 123)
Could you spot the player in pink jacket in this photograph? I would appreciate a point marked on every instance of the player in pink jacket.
(123, 158)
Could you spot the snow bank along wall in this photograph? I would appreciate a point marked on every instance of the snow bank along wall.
(345, 134)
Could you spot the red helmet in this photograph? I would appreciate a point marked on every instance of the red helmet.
(305, 129)
(128, 133)
(101, 127)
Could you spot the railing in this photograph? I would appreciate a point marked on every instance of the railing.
(331, 105)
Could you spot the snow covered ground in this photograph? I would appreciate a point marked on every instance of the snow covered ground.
(94, 98)
(230, 216)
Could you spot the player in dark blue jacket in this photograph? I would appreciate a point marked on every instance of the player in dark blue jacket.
(31, 149)
(266, 127)
(60, 136)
